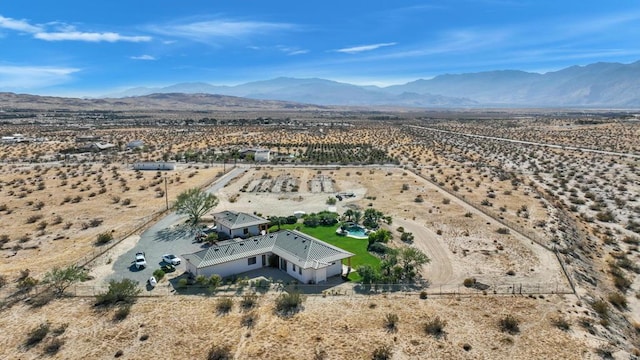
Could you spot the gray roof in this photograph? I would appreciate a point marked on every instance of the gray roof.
(234, 220)
(303, 250)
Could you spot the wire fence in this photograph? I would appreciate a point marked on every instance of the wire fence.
(169, 288)
(531, 235)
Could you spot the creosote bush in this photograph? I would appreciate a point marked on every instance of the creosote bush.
(224, 305)
(391, 322)
(435, 326)
(383, 352)
(561, 323)
(289, 304)
(509, 324)
(249, 301)
(220, 352)
(104, 238)
(37, 334)
(618, 300)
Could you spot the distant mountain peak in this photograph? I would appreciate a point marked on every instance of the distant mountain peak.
(601, 84)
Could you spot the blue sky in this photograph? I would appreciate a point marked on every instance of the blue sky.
(90, 48)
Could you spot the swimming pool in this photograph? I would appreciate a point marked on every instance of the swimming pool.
(353, 231)
(356, 231)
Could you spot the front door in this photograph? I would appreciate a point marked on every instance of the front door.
(283, 264)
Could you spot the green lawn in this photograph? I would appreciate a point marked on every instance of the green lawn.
(355, 246)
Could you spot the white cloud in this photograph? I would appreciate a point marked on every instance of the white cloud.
(31, 77)
(219, 29)
(292, 50)
(143, 57)
(298, 52)
(89, 37)
(358, 49)
(18, 25)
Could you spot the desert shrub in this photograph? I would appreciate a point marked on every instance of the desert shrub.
(220, 352)
(446, 201)
(37, 334)
(606, 216)
(418, 199)
(121, 313)
(249, 320)
(509, 324)
(561, 323)
(503, 230)
(95, 222)
(382, 352)
(435, 326)
(158, 274)
(618, 300)
(423, 295)
(224, 305)
(126, 202)
(378, 247)
(601, 307)
(33, 218)
(391, 322)
(182, 283)
(249, 301)
(468, 214)
(289, 304)
(123, 291)
(53, 346)
(60, 329)
(104, 238)
(619, 279)
(3, 281)
(469, 282)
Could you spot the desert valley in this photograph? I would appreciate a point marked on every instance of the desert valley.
(529, 220)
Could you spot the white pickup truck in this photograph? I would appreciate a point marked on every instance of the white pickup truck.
(141, 261)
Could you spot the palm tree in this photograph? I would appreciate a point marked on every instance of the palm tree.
(348, 214)
(357, 216)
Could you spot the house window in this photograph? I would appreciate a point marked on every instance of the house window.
(294, 267)
(252, 260)
(245, 231)
(299, 270)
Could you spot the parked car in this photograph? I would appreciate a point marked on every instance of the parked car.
(171, 259)
(152, 281)
(141, 261)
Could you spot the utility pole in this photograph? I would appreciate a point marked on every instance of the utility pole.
(166, 194)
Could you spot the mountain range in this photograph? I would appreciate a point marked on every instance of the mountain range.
(599, 85)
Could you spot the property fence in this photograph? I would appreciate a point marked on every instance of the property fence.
(509, 224)
(171, 288)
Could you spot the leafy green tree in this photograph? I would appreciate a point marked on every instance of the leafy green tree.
(123, 291)
(411, 259)
(61, 278)
(368, 274)
(195, 203)
(381, 235)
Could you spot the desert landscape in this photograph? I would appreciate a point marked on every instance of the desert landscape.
(529, 219)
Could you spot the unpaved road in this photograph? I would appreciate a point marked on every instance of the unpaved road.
(440, 270)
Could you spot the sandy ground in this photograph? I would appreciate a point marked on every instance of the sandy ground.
(342, 327)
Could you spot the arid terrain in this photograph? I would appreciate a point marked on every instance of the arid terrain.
(544, 202)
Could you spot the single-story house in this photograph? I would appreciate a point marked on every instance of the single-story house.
(238, 224)
(301, 256)
(135, 144)
(259, 155)
(154, 165)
